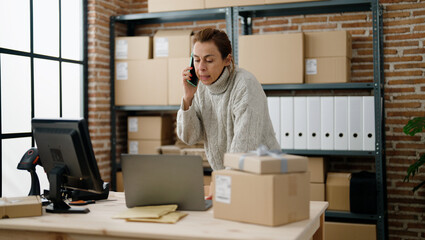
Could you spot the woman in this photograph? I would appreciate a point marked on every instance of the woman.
(228, 108)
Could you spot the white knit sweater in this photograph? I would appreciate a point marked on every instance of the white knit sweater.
(230, 115)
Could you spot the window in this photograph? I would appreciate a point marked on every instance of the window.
(43, 64)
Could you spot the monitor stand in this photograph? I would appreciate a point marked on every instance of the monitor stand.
(55, 195)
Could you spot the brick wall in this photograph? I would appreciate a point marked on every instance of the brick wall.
(404, 37)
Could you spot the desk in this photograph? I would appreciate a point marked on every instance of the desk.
(98, 225)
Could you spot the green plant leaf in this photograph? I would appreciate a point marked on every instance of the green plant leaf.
(414, 126)
(418, 186)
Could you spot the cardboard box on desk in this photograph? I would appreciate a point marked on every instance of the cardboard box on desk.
(328, 57)
(15, 207)
(150, 127)
(141, 82)
(284, 54)
(338, 191)
(266, 199)
(174, 5)
(172, 44)
(133, 48)
(247, 162)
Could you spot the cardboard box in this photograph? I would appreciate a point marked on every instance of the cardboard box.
(251, 162)
(133, 48)
(150, 127)
(14, 207)
(317, 192)
(141, 82)
(317, 169)
(169, 150)
(349, 231)
(328, 44)
(266, 199)
(172, 44)
(328, 57)
(174, 5)
(287, 1)
(327, 70)
(231, 3)
(120, 182)
(338, 191)
(273, 58)
(175, 86)
(136, 146)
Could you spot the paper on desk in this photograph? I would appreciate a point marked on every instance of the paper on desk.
(171, 217)
(147, 211)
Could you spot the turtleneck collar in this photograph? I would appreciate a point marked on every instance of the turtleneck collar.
(221, 84)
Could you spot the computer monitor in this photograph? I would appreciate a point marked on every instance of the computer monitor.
(67, 156)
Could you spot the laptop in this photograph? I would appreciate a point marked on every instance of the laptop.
(164, 179)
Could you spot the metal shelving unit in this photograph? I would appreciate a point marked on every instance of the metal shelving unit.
(236, 15)
(245, 16)
(131, 21)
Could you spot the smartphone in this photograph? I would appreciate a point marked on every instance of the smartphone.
(194, 79)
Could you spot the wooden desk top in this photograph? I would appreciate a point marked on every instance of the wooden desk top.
(98, 224)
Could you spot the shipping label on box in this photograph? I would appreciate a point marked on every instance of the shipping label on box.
(328, 70)
(268, 199)
(251, 162)
(150, 128)
(122, 70)
(145, 146)
(145, 82)
(133, 48)
(172, 43)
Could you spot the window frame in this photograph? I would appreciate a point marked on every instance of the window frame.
(83, 63)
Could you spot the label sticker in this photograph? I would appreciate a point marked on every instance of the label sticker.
(133, 124)
(161, 47)
(311, 66)
(121, 49)
(133, 147)
(223, 189)
(122, 70)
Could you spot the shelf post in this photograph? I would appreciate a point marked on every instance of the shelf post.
(112, 102)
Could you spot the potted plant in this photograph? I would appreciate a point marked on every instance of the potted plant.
(414, 126)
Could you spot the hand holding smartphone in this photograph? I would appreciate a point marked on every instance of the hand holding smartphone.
(193, 79)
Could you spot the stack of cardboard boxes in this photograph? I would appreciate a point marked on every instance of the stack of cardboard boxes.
(338, 196)
(267, 190)
(142, 80)
(295, 58)
(147, 133)
(317, 169)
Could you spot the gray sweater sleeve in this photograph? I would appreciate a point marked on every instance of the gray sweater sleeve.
(189, 125)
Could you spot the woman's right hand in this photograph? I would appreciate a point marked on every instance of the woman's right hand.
(189, 90)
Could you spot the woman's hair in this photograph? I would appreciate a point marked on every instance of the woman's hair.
(219, 38)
